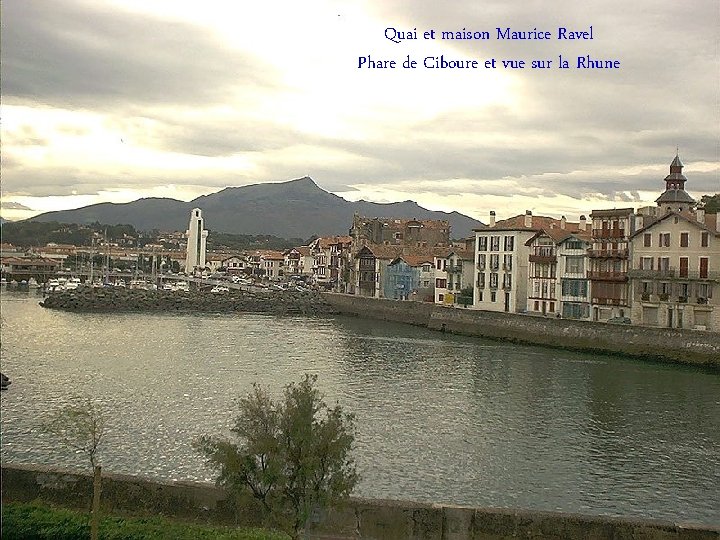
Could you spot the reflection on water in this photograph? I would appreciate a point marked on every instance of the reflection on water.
(440, 418)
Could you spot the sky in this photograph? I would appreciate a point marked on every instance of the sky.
(114, 100)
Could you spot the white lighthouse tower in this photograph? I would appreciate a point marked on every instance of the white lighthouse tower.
(196, 239)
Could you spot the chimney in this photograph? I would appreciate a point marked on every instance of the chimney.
(528, 219)
(492, 218)
(563, 222)
(700, 214)
(583, 221)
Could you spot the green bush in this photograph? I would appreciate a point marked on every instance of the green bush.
(40, 522)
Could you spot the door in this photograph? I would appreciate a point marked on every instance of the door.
(507, 301)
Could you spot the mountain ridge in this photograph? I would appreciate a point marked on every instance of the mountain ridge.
(296, 208)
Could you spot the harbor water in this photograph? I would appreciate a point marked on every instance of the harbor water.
(440, 418)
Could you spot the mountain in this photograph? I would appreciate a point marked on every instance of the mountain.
(293, 209)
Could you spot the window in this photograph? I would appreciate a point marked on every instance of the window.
(507, 262)
(647, 287)
(664, 239)
(494, 262)
(685, 289)
(480, 296)
(684, 266)
(493, 296)
(441, 297)
(664, 264)
(536, 306)
(481, 281)
(426, 267)
(575, 264)
(494, 243)
(703, 267)
(482, 243)
(509, 243)
(574, 287)
(481, 261)
(646, 263)
(704, 290)
(704, 239)
(664, 288)
(441, 283)
(574, 244)
(493, 280)
(684, 239)
(647, 240)
(507, 281)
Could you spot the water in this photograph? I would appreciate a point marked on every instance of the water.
(440, 418)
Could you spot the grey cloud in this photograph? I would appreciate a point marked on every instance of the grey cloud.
(77, 55)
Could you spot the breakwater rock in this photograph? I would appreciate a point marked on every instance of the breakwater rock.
(118, 299)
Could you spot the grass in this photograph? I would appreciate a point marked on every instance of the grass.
(37, 521)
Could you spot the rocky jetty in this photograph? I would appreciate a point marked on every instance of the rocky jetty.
(118, 299)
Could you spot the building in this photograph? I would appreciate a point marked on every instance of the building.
(196, 242)
(399, 232)
(234, 265)
(675, 273)
(558, 283)
(370, 264)
(272, 262)
(408, 277)
(26, 267)
(609, 256)
(502, 261)
(675, 267)
(454, 272)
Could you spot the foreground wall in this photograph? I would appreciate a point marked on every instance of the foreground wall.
(683, 346)
(381, 520)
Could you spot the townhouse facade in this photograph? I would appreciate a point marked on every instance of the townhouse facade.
(454, 272)
(609, 258)
(409, 277)
(558, 283)
(502, 262)
(675, 271)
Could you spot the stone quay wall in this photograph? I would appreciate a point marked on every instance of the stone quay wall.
(119, 299)
(664, 344)
(359, 518)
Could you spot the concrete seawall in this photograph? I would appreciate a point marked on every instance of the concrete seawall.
(359, 518)
(665, 344)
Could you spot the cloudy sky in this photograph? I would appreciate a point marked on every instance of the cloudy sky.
(114, 100)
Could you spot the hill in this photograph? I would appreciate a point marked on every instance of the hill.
(297, 208)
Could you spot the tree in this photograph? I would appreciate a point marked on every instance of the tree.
(81, 426)
(293, 455)
(711, 202)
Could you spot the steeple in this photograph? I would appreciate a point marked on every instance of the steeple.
(675, 197)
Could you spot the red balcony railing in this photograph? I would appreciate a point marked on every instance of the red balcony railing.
(609, 253)
(608, 233)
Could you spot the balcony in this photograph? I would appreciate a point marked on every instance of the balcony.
(608, 276)
(673, 273)
(542, 258)
(608, 253)
(610, 301)
(651, 274)
(608, 233)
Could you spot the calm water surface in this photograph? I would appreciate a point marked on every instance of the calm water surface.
(440, 418)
